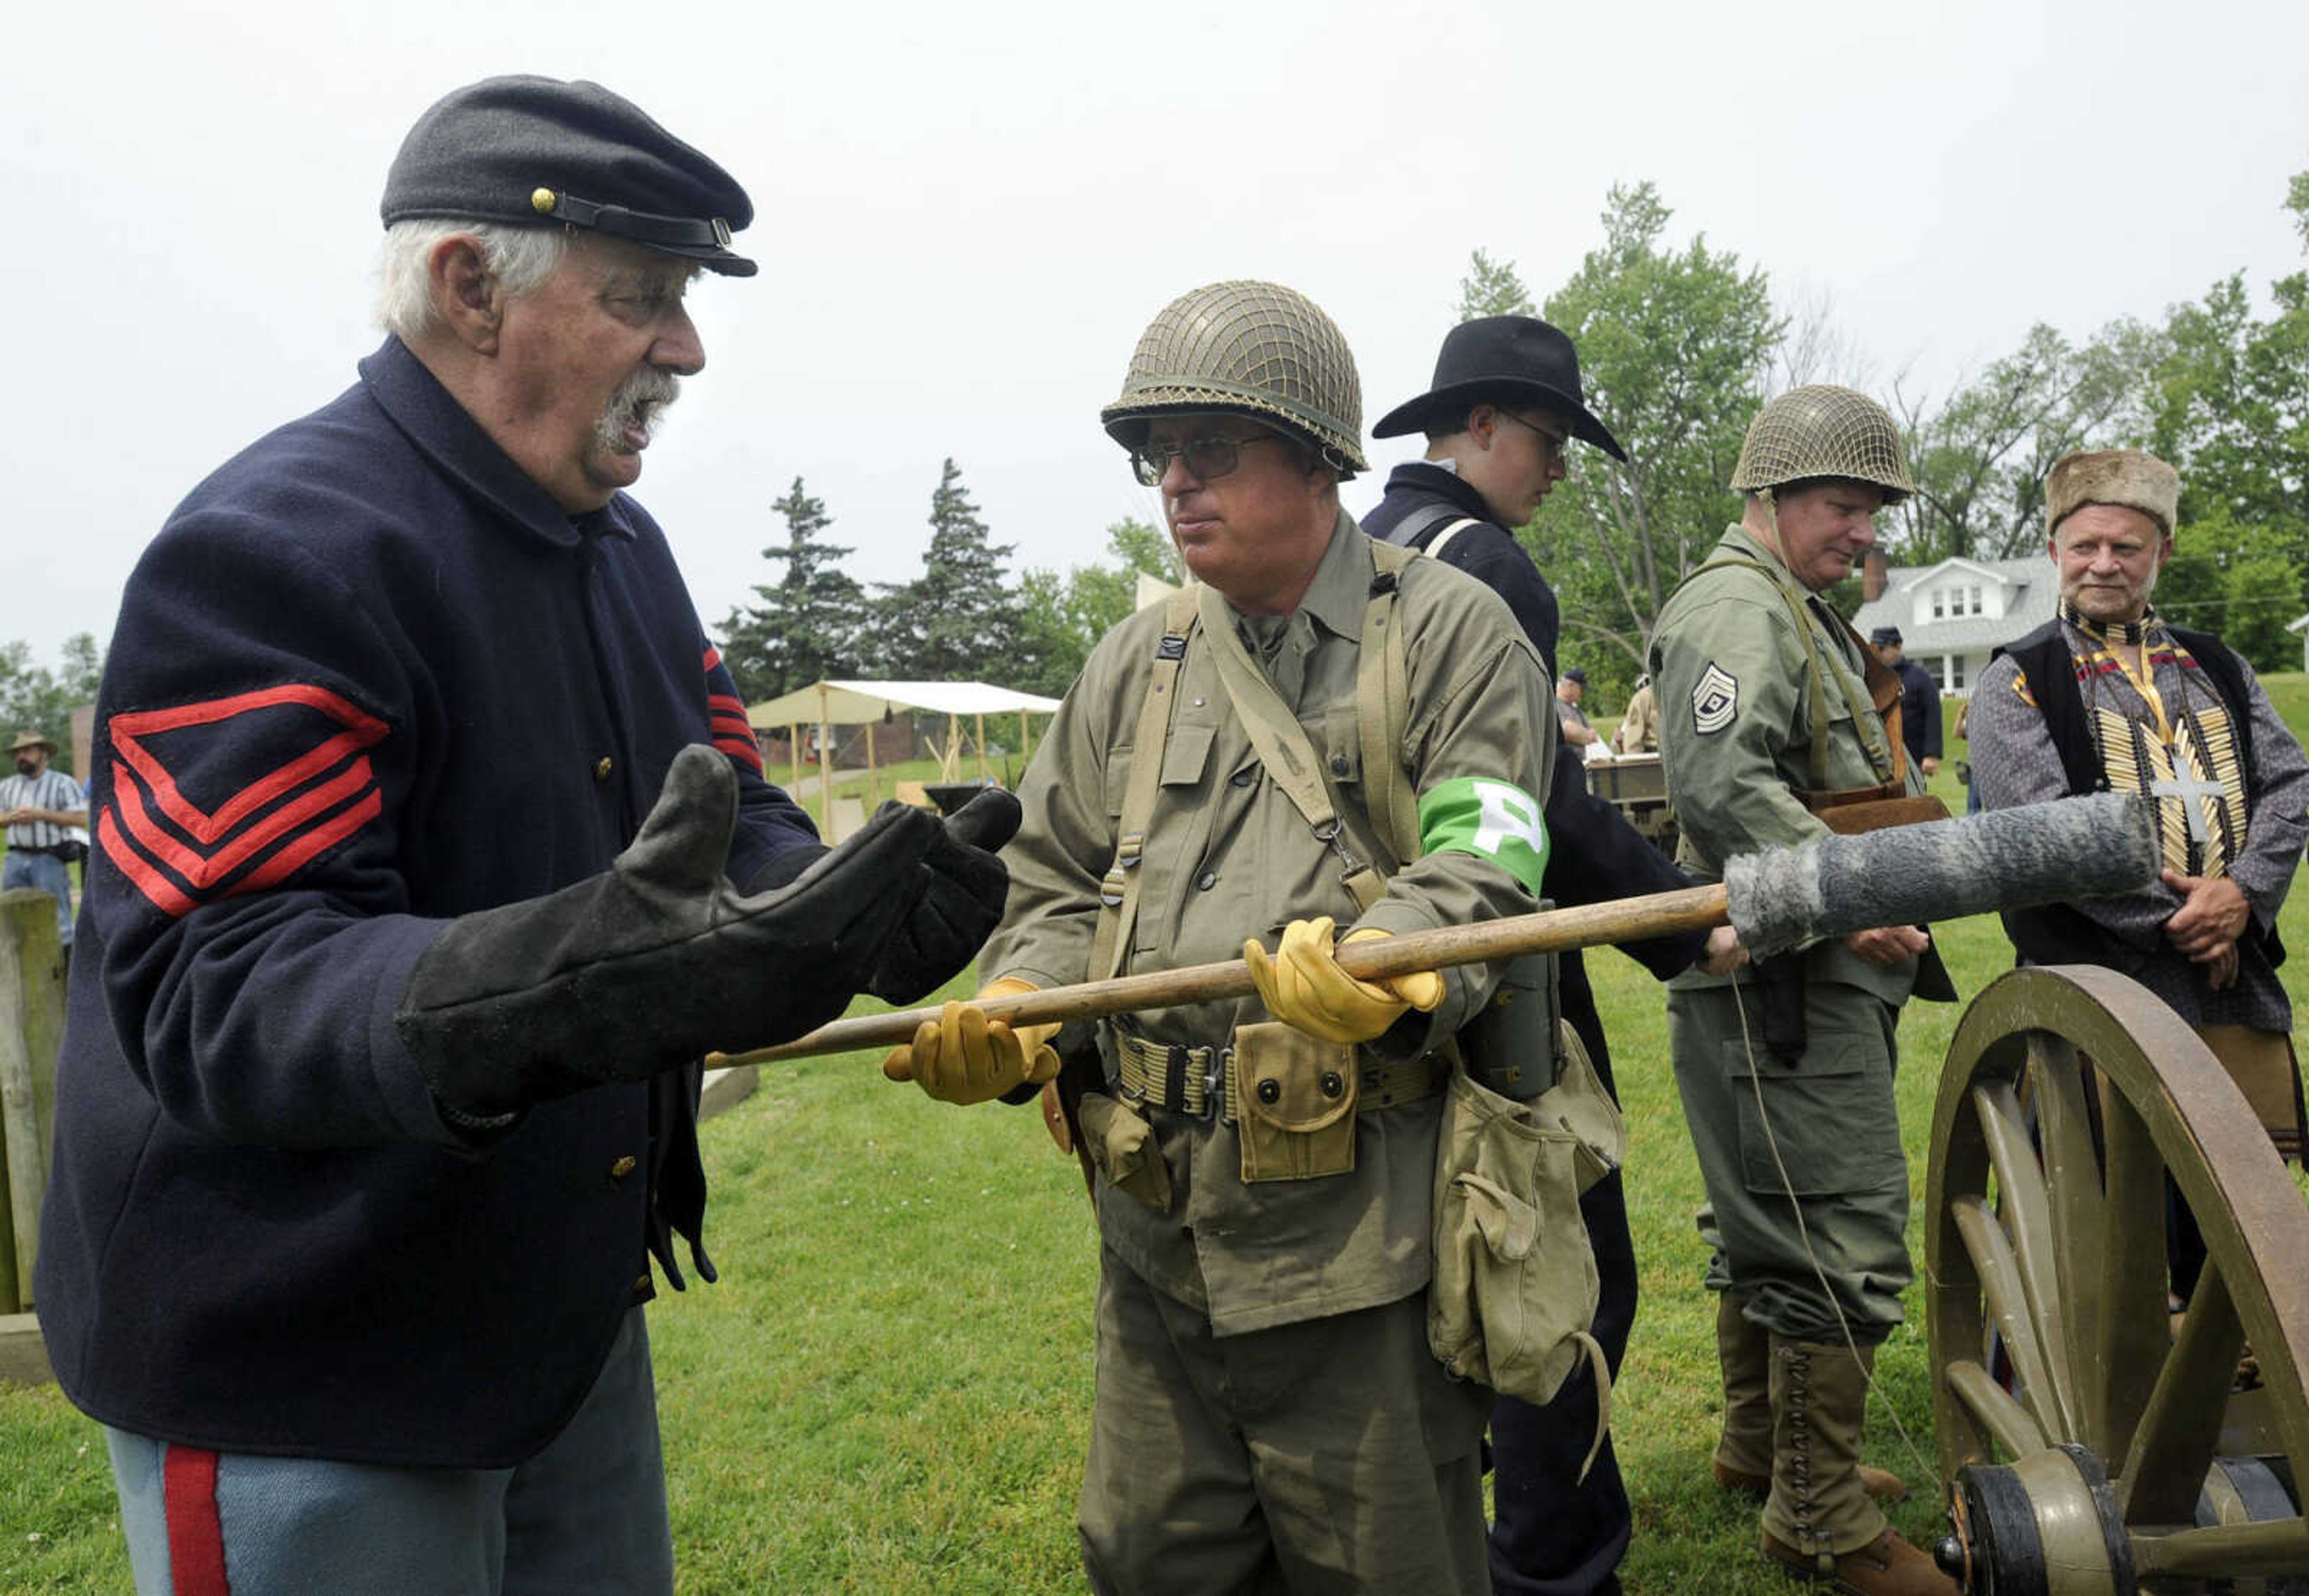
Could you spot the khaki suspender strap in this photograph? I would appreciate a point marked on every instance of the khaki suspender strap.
(1383, 709)
(1282, 745)
(1117, 893)
(1886, 767)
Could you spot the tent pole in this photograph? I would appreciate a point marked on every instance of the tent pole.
(873, 777)
(950, 760)
(981, 719)
(793, 752)
(824, 765)
(1025, 742)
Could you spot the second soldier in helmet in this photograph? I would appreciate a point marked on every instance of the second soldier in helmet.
(1772, 711)
(1268, 1414)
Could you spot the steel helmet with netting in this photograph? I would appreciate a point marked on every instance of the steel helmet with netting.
(1257, 348)
(1822, 430)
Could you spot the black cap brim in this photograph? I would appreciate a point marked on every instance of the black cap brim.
(1412, 415)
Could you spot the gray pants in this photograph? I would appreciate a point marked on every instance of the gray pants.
(1332, 1455)
(584, 1517)
(1835, 1132)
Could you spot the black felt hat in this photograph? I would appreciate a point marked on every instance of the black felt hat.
(1502, 359)
(535, 152)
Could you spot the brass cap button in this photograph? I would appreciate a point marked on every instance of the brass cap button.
(542, 201)
(602, 766)
(623, 1167)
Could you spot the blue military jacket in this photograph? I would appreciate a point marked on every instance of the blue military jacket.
(369, 677)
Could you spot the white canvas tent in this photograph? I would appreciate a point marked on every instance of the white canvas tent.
(828, 704)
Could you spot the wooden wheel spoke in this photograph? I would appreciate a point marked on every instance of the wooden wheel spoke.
(2026, 1209)
(2135, 1333)
(2173, 1445)
(2004, 1419)
(2072, 1174)
(2007, 1298)
(2231, 1551)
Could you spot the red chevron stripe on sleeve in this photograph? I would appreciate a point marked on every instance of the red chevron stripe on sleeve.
(725, 712)
(285, 776)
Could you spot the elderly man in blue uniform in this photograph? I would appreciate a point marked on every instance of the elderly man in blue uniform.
(1920, 700)
(432, 852)
(1504, 405)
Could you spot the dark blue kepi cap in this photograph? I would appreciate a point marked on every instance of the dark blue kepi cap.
(535, 152)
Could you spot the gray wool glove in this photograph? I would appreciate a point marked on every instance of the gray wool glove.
(660, 960)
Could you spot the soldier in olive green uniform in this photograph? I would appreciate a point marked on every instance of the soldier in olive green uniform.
(1766, 717)
(1268, 1414)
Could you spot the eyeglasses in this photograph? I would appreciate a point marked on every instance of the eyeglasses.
(1206, 457)
(1556, 442)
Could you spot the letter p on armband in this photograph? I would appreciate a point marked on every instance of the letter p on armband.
(1492, 820)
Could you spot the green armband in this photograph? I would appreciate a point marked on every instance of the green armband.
(1492, 820)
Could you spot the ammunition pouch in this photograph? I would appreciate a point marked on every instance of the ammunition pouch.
(1295, 1103)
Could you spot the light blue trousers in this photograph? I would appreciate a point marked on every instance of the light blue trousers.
(586, 1515)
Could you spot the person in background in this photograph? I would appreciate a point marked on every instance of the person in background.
(1499, 416)
(1920, 700)
(2109, 693)
(1576, 729)
(42, 809)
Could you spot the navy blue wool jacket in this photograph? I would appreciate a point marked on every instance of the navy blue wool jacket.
(367, 678)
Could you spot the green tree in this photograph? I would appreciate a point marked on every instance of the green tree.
(805, 627)
(1980, 458)
(958, 620)
(2229, 406)
(35, 699)
(1491, 288)
(1674, 348)
(1062, 615)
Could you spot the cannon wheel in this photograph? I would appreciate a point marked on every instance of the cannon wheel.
(2060, 1388)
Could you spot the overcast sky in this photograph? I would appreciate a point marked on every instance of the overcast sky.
(965, 215)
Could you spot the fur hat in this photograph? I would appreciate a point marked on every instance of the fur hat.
(2124, 477)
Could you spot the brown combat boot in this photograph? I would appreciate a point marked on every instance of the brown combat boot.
(1819, 1520)
(1744, 1457)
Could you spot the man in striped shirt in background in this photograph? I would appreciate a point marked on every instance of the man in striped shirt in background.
(42, 809)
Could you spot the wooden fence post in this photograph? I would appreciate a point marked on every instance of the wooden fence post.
(31, 1030)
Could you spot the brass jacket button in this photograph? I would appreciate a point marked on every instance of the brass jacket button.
(623, 1167)
(602, 766)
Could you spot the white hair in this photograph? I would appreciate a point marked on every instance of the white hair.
(520, 258)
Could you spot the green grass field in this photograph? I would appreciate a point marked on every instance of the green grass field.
(889, 1391)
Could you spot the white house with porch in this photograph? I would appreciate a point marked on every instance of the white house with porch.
(1953, 615)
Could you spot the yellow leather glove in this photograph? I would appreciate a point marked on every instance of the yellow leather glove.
(1304, 987)
(964, 1057)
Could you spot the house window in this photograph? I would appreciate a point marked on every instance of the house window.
(1952, 673)
(1940, 600)
(1975, 601)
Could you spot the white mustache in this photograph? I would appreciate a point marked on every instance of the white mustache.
(638, 404)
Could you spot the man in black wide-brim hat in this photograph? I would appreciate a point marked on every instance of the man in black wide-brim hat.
(1504, 406)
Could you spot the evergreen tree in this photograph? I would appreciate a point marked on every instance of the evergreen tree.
(806, 627)
(958, 620)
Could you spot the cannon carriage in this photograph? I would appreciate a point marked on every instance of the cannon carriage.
(2095, 1441)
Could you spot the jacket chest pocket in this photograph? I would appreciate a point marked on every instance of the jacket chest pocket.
(1178, 832)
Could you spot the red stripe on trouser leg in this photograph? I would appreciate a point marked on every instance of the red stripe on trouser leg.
(195, 1534)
